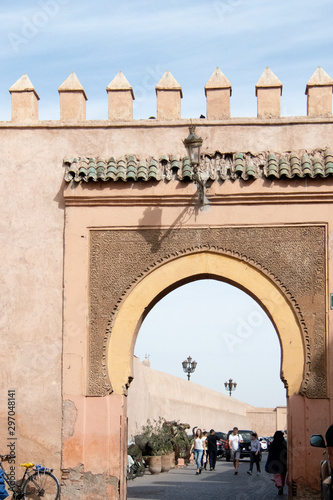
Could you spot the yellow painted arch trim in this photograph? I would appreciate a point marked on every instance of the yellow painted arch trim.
(210, 265)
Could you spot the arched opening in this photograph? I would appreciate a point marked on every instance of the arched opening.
(228, 334)
(192, 267)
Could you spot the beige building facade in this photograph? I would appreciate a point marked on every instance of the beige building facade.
(101, 219)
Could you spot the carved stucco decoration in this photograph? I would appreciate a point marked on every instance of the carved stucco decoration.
(292, 256)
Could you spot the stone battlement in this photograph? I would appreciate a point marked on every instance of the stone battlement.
(218, 91)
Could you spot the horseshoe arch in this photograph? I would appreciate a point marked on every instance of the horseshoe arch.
(196, 266)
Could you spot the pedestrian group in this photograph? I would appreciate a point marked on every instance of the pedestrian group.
(204, 449)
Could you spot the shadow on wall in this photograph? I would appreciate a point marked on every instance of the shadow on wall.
(152, 217)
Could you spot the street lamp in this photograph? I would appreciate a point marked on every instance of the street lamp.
(193, 145)
(230, 386)
(189, 366)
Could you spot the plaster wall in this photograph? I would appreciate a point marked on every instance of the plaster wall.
(268, 420)
(153, 394)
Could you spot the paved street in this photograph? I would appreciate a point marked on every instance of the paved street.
(221, 484)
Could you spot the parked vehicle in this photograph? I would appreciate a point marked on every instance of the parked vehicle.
(221, 444)
(318, 441)
(269, 440)
(245, 447)
(263, 443)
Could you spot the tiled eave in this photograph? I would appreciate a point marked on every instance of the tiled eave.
(218, 166)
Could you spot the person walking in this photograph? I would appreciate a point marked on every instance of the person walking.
(255, 453)
(212, 448)
(198, 449)
(204, 459)
(234, 440)
(277, 461)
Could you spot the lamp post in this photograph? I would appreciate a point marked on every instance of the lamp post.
(230, 386)
(189, 366)
(193, 145)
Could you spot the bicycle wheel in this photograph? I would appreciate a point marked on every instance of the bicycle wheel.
(42, 484)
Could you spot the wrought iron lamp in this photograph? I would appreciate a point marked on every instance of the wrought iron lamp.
(189, 366)
(230, 386)
(193, 145)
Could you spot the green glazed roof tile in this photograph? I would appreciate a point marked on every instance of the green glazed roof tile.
(239, 163)
(131, 176)
(250, 171)
(328, 162)
(328, 168)
(91, 176)
(318, 167)
(185, 172)
(175, 164)
(152, 174)
(272, 167)
(284, 168)
(295, 166)
(306, 165)
(226, 167)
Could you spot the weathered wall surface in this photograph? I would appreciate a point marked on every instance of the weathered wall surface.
(31, 241)
(153, 394)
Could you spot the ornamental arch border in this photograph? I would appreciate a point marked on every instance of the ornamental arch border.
(206, 263)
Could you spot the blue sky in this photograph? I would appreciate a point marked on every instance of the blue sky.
(225, 331)
(48, 39)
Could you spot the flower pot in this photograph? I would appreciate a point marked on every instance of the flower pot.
(155, 464)
(165, 463)
(172, 460)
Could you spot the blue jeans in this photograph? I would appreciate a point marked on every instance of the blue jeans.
(198, 456)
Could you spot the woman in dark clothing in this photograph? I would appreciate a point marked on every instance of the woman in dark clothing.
(277, 461)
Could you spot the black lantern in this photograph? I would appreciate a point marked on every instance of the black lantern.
(193, 145)
(189, 366)
(230, 386)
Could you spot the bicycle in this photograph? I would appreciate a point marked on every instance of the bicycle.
(135, 468)
(37, 482)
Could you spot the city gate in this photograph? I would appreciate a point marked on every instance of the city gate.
(142, 218)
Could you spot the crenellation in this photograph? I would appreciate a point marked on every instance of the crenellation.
(218, 91)
(72, 100)
(120, 98)
(169, 93)
(268, 92)
(24, 100)
(319, 93)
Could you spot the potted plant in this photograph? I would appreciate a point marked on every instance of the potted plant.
(181, 442)
(152, 432)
